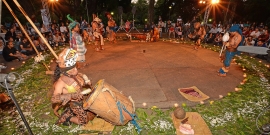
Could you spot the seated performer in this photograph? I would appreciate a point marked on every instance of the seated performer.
(97, 32)
(235, 40)
(112, 29)
(198, 34)
(68, 85)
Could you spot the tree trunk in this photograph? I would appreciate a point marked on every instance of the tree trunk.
(151, 11)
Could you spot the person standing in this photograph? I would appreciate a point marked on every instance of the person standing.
(235, 40)
(76, 42)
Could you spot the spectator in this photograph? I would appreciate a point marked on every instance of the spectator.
(11, 33)
(255, 34)
(179, 19)
(213, 30)
(145, 29)
(179, 31)
(218, 39)
(3, 29)
(63, 28)
(57, 39)
(168, 25)
(25, 47)
(10, 53)
(249, 41)
(43, 29)
(127, 26)
(264, 37)
(171, 31)
(1, 46)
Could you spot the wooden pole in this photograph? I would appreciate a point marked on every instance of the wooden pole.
(34, 26)
(23, 30)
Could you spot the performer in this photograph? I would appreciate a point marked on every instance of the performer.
(155, 34)
(67, 90)
(198, 34)
(235, 40)
(112, 30)
(97, 29)
(76, 42)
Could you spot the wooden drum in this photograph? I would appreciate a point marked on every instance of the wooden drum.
(108, 103)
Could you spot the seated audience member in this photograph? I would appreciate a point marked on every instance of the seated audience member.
(63, 28)
(3, 29)
(213, 30)
(249, 41)
(42, 43)
(11, 33)
(10, 53)
(57, 39)
(37, 45)
(50, 40)
(25, 47)
(255, 34)
(264, 37)
(1, 46)
(246, 32)
(218, 39)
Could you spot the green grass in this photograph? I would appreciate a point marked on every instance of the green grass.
(234, 114)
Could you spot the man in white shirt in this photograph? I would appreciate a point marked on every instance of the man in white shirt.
(63, 28)
(255, 34)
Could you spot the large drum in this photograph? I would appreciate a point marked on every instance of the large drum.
(108, 103)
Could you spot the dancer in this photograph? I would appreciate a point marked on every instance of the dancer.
(198, 34)
(68, 90)
(236, 39)
(76, 42)
(97, 29)
(112, 30)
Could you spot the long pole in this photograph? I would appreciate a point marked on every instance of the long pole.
(11, 94)
(87, 12)
(23, 30)
(35, 27)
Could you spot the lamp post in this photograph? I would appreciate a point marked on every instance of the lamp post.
(210, 4)
(52, 2)
(170, 7)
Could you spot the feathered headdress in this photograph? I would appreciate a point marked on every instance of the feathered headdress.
(72, 24)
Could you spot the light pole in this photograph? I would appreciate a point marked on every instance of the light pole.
(170, 7)
(210, 4)
(52, 3)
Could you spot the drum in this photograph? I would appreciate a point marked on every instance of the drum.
(108, 103)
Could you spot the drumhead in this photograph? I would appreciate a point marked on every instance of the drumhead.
(95, 92)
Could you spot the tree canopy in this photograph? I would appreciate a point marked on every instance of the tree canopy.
(238, 10)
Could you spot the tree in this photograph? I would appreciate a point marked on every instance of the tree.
(151, 11)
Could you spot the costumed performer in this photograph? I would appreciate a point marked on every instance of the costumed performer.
(97, 32)
(236, 39)
(112, 28)
(76, 42)
(68, 90)
(155, 34)
(198, 35)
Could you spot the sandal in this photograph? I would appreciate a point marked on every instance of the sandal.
(222, 75)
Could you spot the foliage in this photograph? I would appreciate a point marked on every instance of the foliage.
(234, 114)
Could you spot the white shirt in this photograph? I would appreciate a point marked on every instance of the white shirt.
(63, 29)
(255, 34)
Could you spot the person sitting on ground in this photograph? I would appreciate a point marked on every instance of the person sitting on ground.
(264, 37)
(11, 33)
(58, 39)
(1, 46)
(10, 53)
(255, 34)
(218, 39)
(249, 41)
(25, 47)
